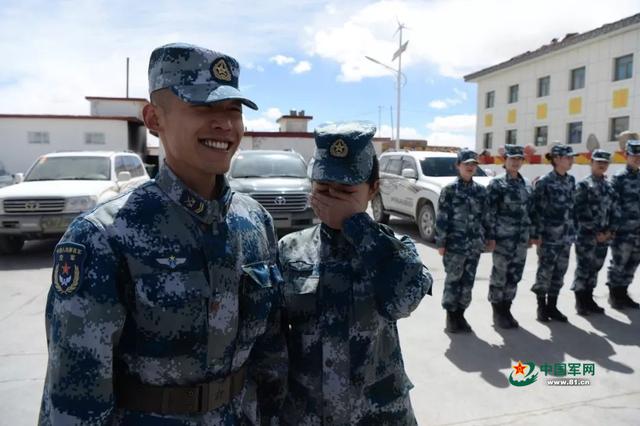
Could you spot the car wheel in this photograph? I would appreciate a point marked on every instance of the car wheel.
(427, 222)
(10, 244)
(378, 210)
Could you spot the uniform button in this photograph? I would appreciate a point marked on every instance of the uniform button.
(328, 363)
(329, 419)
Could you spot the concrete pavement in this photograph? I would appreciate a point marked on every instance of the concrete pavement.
(459, 379)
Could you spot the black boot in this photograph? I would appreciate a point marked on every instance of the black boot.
(462, 322)
(615, 297)
(499, 318)
(591, 304)
(452, 322)
(542, 314)
(552, 309)
(507, 312)
(582, 306)
(628, 302)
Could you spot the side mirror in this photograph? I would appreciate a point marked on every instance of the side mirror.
(409, 174)
(18, 177)
(124, 176)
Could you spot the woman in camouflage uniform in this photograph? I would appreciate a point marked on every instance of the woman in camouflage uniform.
(347, 282)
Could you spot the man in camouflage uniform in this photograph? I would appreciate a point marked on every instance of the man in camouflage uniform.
(347, 282)
(509, 204)
(625, 248)
(160, 295)
(553, 230)
(460, 237)
(593, 207)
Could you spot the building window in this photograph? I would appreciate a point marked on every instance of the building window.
(513, 93)
(94, 138)
(617, 126)
(541, 136)
(512, 137)
(623, 67)
(577, 78)
(38, 137)
(574, 132)
(488, 140)
(490, 99)
(543, 86)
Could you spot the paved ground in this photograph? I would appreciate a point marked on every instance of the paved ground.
(459, 379)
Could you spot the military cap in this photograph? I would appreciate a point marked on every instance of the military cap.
(195, 74)
(344, 152)
(633, 147)
(601, 155)
(467, 156)
(561, 150)
(512, 151)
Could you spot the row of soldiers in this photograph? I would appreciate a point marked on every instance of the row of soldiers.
(511, 215)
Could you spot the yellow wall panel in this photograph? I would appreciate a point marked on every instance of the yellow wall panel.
(620, 98)
(511, 116)
(575, 105)
(541, 112)
(488, 120)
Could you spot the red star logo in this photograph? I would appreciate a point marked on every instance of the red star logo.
(519, 368)
(65, 268)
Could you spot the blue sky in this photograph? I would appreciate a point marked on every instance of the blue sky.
(297, 54)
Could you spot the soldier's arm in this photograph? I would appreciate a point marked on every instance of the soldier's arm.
(582, 208)
(491, 209)
(399, 278)
(443, 218)
(269, 360)
(616, 207)
(537, 207)
(84, 320)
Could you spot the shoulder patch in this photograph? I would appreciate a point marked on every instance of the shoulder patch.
(68, 265)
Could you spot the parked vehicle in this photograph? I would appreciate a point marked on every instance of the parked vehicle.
(60, 186)
(410, 185)
(278, 180)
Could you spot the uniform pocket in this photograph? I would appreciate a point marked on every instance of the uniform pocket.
(257, 290)
(388, 389)
(301, 286)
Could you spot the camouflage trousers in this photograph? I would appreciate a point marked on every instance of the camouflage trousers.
(461, 273)
(508, 263)
(590, 257)
(553, 261)
(625, 257)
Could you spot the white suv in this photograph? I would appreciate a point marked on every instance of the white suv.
(410, 185)
(60, 186)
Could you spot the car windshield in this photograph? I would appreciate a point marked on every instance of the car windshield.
(442, 166)
(70, 168)
(268, 166)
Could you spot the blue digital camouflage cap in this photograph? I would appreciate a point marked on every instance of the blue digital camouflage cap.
(512, 151)
(344, 152)
(562, 150)
(600, 155)
(196, 75)
(633, 147)
(467, 156)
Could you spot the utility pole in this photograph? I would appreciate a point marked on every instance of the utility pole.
(127, 76)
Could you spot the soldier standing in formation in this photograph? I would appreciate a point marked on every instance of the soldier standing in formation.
(553, 230)
(509, 203)
(347, 282)
(460, 238)
(160, 295)
(625, 247)
(593, 206)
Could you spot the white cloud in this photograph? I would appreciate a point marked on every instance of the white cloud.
(460, 97)
(266, 122)
(457, 36)
(282, 60)
(302, 67)
(405, 133)
(452, 130)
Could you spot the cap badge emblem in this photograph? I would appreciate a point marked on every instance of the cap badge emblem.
(339, 149)
(220, 70)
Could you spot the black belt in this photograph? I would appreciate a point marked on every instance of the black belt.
(196, 399)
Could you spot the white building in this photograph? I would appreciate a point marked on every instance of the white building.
(114, 124)
(579, 90)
